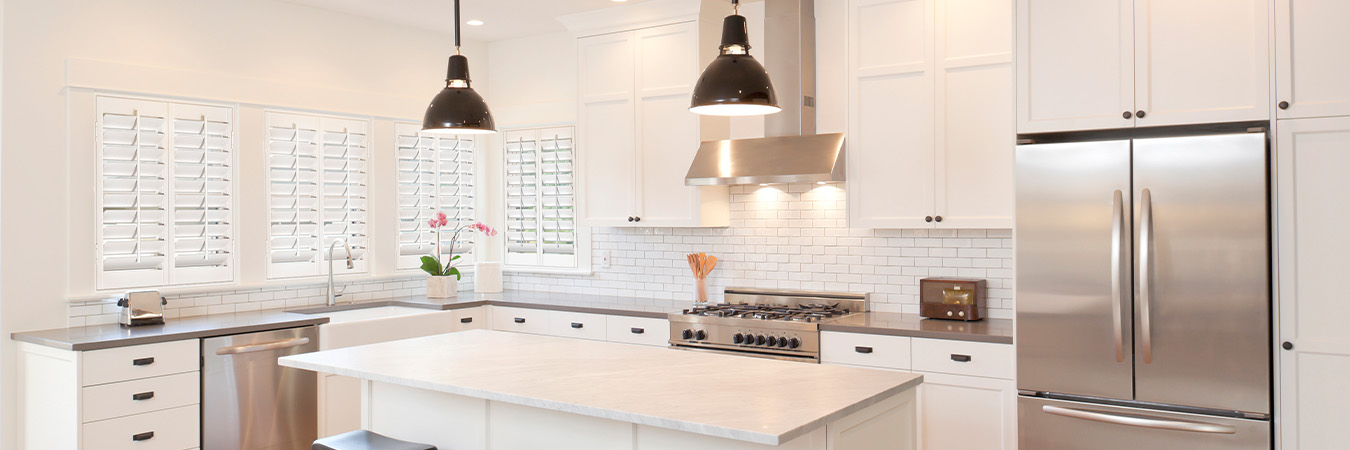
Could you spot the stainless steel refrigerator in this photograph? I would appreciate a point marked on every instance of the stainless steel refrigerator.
(1143, 294)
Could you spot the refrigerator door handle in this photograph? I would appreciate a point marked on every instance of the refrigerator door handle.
(1139, 420)
(1117, 254)
(1145, 271)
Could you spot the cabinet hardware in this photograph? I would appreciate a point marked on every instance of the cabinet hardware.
(928, 219)
(143, 361)
(960, 358)
(576, 325)
(1139, 114)
(1127, 114)
(143, 436)
(861, 349)
(465, 320)
(937, 218)
(520, 320)
(1287, 345)
(637, 219)
(637, 330)
(1284, 105)
(143, 396)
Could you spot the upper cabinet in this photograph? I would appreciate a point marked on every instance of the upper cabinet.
(1095, 64)
(636, 136)
(930, 113)
(1311, 44)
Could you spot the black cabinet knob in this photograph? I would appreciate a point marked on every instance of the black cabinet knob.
(143, 436)
(1127, 114)
(143, 396)
(637, 219)
(465, 320)
(928, 219)
(938, 218)
(1284, 105)
(630, 218)
(143, 361)
(1287, 345)
(1139, 114)
(861, 349)
(520, 320)
(637, 330)
(577, 325)
(960, 358)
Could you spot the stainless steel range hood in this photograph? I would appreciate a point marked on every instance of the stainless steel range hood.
(794, 152)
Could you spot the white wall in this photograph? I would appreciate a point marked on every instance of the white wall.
(255, 52)
(534, 80)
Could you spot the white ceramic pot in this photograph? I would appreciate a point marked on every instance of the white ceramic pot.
(442, 287)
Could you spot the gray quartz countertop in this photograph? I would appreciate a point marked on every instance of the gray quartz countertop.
(998, 331)
(628, 383)
(95, 337)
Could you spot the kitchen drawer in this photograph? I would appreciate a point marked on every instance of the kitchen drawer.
(964, 358)
(859, 349)
(521, 320)
(126, 398)
(173, 429)
(470, 318)
(638, 330)
(139, 361)
(576, 325)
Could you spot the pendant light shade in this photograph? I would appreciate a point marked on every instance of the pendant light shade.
(734, 84)
(457, 109)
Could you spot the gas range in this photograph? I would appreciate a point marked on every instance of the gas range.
(767, 323)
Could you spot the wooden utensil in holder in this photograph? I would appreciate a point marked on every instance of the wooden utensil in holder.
(952, 298)
(701, 265)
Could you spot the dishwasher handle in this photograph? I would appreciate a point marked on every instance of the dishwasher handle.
(251, 348)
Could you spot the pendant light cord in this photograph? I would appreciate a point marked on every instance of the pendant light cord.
(457, 26)
(735, 6)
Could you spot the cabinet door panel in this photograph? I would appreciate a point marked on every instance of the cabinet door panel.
(967, 413)
(1310, 48)
(1201, 61)
(975, 118)
(890, 121)
(606, 152)
(1075, 61)
(1312, 188)
(668, 135)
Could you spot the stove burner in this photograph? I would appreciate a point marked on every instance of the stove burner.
(810, 312)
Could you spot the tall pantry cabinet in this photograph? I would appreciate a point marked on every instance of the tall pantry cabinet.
(930, 113)
(1312, 150)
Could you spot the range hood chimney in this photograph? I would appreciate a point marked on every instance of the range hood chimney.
(792, 152)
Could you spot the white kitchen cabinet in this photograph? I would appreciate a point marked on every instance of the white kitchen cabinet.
(638, 330)
(1311, 43)
(637, 137)
(1312, 155)
(930, 113)
(577, 325)
(1094, 64)
(520, 320)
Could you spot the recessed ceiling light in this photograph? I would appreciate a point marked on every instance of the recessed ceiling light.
(618, 1)
(474, 22)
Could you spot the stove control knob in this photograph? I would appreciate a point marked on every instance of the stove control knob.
(759, 340)
(782, 342)
(700, 335)
(687, 334)
(794, 343)
(738, 338)
(773, 341)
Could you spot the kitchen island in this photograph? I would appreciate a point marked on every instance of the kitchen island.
(505, 391)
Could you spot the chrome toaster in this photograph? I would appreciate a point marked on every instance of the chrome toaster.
(142, 308)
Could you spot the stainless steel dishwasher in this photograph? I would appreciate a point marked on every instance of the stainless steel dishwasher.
(251, 403)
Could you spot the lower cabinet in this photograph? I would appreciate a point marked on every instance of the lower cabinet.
(599, 327)
(968, 399)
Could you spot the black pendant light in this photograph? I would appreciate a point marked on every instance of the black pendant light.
(458, 109)
(735, 84)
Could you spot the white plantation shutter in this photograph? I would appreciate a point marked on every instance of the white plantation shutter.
(317, 185)
(165, 193)
(540, 204)
(435, 174)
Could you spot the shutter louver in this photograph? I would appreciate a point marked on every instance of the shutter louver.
(540, 203)
(435, 173)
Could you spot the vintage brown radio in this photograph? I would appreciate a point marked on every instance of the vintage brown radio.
(952, 298)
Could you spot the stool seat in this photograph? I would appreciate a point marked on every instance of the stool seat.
(366, 440)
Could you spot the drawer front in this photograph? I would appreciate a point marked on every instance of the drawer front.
(638, 330)
(964, 358)
(576, 325)
(126, 398)
(139, 361)
(520, 320)
(469, 318)
(170, 429)
(891, 352)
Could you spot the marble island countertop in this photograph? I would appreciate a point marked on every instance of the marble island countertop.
(728, 396)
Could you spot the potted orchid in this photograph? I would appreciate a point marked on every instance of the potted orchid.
(440, 283)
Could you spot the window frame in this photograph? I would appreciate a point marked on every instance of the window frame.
(411, 263)
(540, 261)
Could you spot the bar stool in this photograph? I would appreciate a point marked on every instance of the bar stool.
(366, 440)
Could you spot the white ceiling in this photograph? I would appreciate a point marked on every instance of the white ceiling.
(502, 19)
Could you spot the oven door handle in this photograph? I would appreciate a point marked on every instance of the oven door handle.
(804, 358)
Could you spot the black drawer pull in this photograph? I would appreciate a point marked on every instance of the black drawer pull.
(520, 320)
(861, 349)
(143, 436)
(143, 361)
(960, 358)
(637, 330)
(143, 396)
(576, 324)
(465, 320)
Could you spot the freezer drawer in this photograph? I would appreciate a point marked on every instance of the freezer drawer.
(1045, 424)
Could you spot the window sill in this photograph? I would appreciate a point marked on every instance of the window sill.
(584, 272)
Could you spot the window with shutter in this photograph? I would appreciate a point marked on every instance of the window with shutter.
(541, 222)
(165, 193)
(435, 174)
(317, 181)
